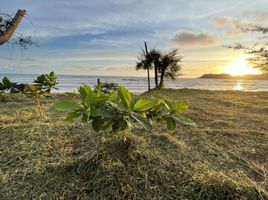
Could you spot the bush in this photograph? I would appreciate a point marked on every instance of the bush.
(7, 86)
(118, 111)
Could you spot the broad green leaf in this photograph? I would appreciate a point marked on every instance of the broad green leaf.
(115, 105)
(180, 107)
(113, 97)
(84, 91)
(99, 100)
(72, 116)
(89, 99)
(144, 105)
(125, 96)
(141, 120)
(87, 89)
(171, 123)
(66, 105)
(97, 90)
(167, 104)
(184, 120)
(157, 107)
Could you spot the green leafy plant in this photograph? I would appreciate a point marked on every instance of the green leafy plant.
(41, 87)
(118, 111)
(7, 86)
(36, 91)
(108, 87)
(47, 81)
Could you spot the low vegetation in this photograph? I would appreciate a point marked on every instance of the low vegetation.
(118, 111)
(223, 157)
(41, 87)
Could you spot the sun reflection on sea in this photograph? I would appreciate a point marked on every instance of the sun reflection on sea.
(238, 86)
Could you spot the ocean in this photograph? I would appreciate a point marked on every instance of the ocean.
(68, 83)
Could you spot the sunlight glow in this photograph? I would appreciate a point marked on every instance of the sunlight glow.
(238, 86)
(241, 67)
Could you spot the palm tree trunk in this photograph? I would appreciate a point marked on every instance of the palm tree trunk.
(155, 76)
(148, 77)
(161, 84)
(148, 70)
(12, 28)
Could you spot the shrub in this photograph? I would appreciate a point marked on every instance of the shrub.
(108, 87)
(118, 111)
(46, 82)
(7, 86)
(41, 87)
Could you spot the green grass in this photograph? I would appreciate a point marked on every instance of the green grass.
(224, 157)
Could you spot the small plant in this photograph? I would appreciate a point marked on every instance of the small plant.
(41, 87)
(108, 87)
(47, 81)
(36, 91)
(7, 86)
(118, 111)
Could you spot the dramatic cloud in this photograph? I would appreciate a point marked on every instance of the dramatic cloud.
(87, 37)
(190, 39)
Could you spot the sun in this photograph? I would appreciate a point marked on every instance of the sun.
(240, 67)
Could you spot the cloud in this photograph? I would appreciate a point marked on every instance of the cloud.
(236, 26)
(190, 39)
(220, 21)
(256, 15)
(106, 42)
(233, 33)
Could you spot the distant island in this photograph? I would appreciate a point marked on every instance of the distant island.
(244, 77)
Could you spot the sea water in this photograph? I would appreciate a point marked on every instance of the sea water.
(68, 83)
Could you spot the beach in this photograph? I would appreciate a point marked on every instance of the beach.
(223, 157)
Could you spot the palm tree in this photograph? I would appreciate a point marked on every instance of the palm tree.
(149, 60)
(165, 65)
(169, 66)
(145, 63)
(155, 58)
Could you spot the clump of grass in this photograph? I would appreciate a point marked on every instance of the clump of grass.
(50, 159)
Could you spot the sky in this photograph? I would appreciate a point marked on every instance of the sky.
(104, 37)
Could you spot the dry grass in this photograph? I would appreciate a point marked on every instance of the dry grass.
(224, 157)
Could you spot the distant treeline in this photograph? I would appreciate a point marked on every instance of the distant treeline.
(244, 77)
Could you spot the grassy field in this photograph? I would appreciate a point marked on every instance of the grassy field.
(224, 157)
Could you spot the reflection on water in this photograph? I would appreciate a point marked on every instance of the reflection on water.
(238, 86)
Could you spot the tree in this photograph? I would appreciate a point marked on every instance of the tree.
(169, 66)
(155, 57)
(259, 50)
(9, 25)
(165, 65)
(148, 70)
(144, 63)
(149, 60)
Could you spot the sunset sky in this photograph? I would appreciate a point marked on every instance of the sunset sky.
(104, 37)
